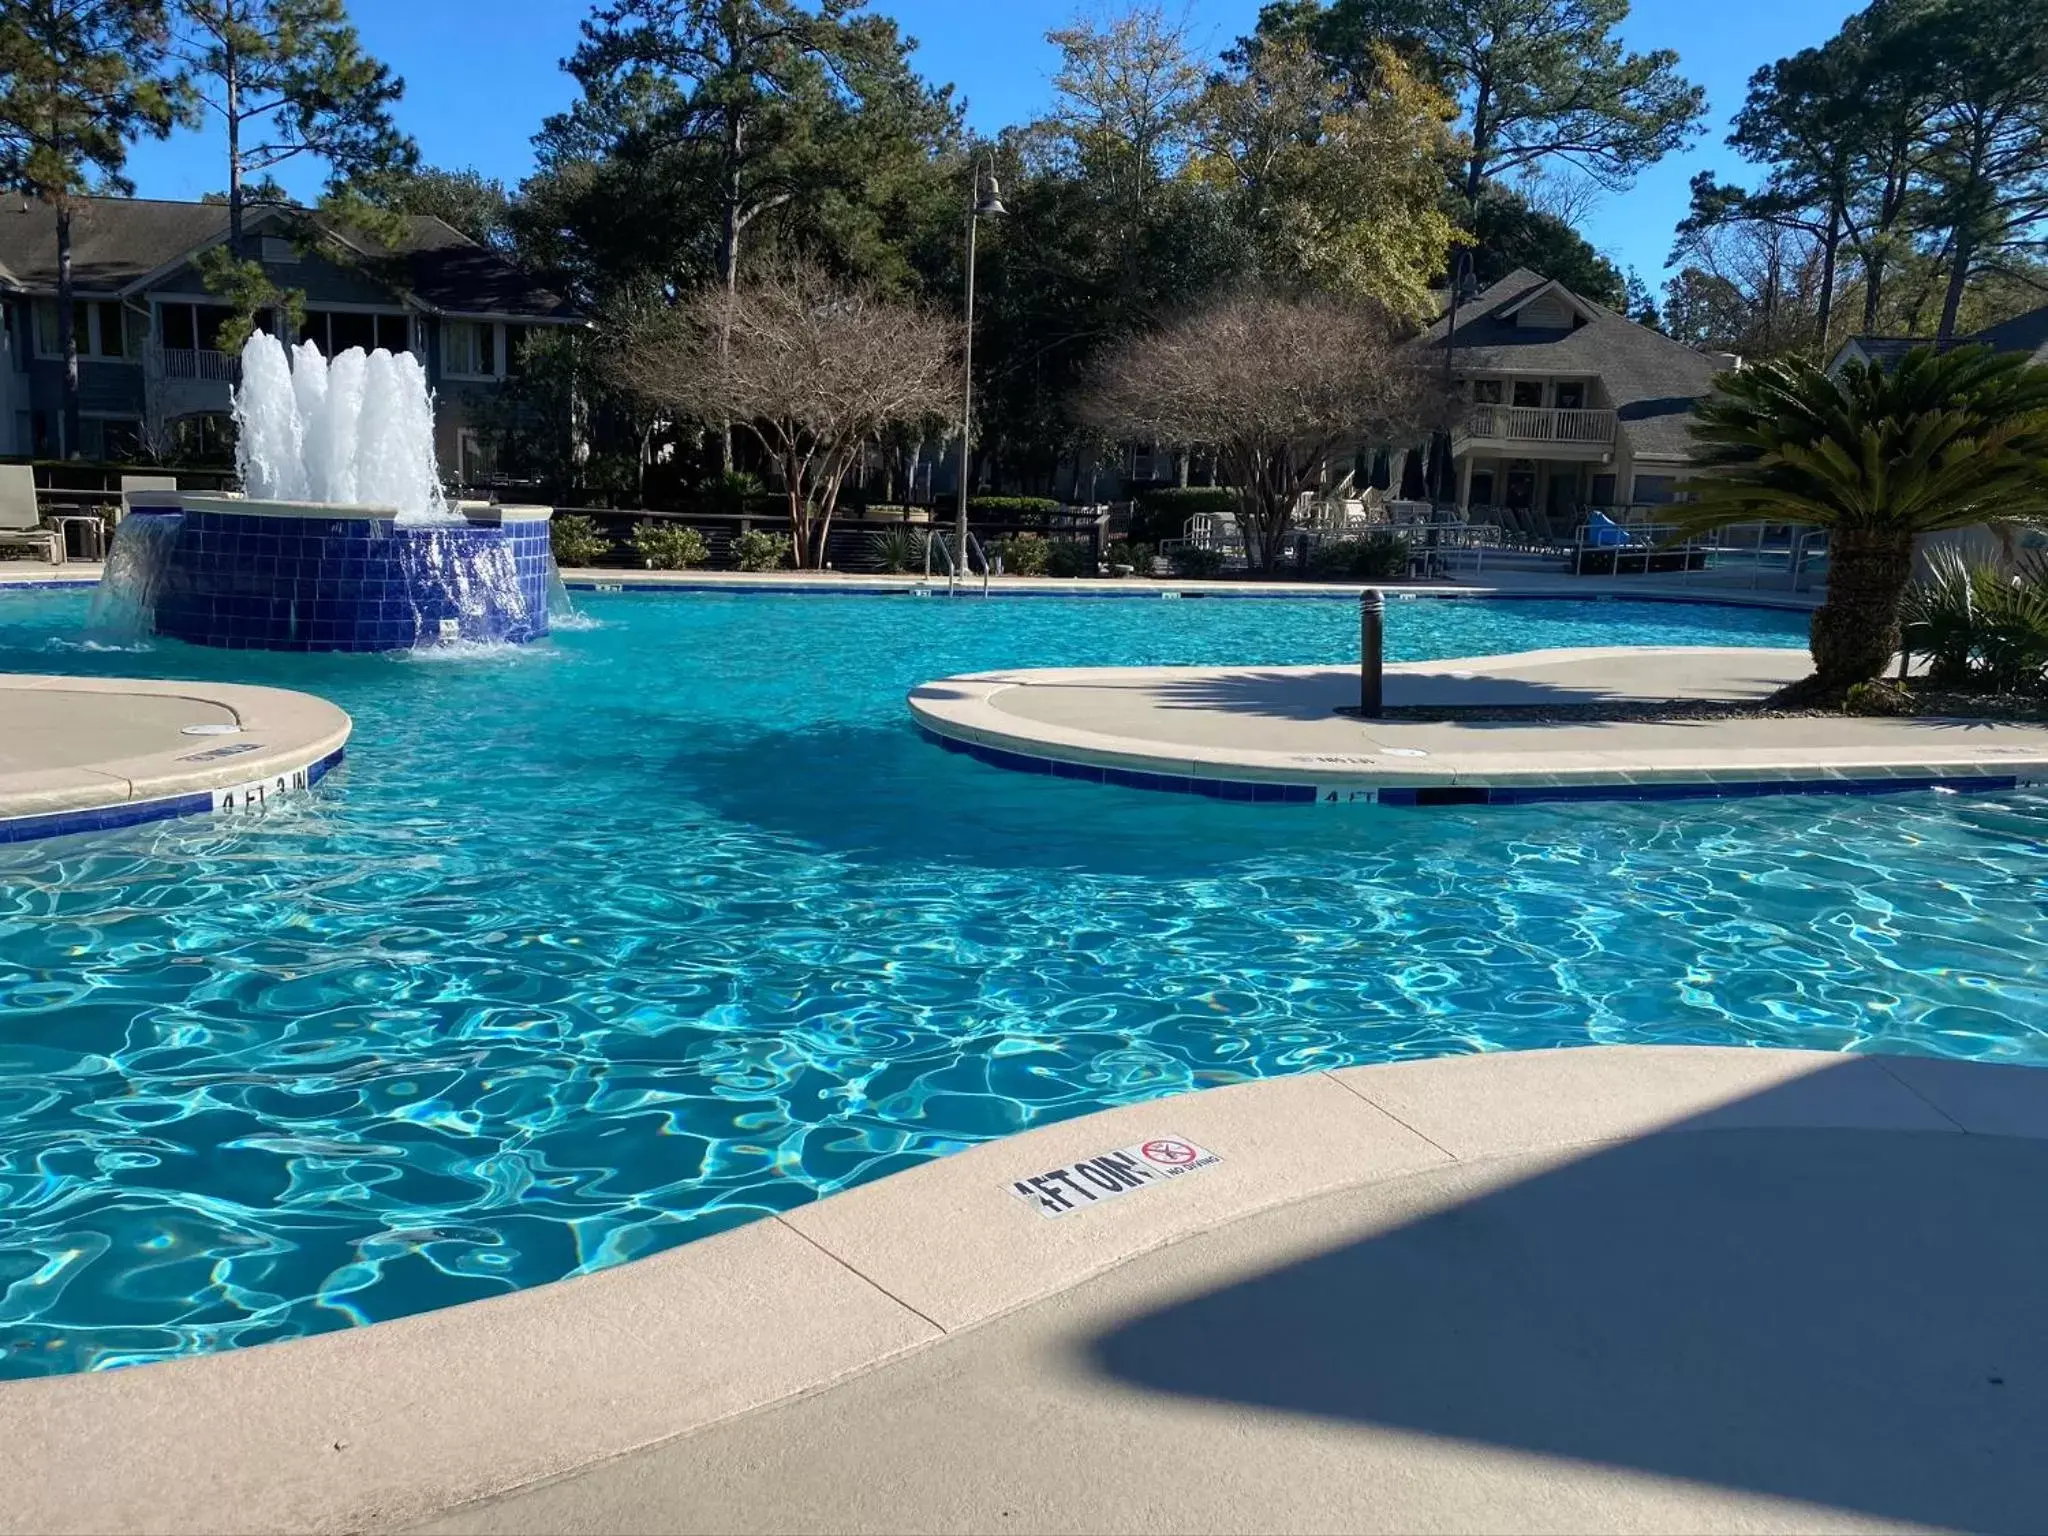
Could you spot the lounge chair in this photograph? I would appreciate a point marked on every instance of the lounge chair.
(145, 483)
(21, 521)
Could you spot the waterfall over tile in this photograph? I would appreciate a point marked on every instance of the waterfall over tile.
(342, 539)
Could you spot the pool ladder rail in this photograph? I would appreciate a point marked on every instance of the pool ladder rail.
(956, 576)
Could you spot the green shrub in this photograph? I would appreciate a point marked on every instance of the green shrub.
(1199, 563)
(897, 550)
(756, 550)
(1037, 510)
(1877, 697)
(1024, 554)
(577, 541)
(1376, 557)
(669, 546)
(1162, 514)
(733, 493)
(1137, 556)
(1068, 557)
(1978, 623)
(1938, 618)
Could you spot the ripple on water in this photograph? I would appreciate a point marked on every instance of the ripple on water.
(599, 946)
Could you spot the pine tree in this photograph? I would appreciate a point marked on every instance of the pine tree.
(79, 79)
(751, 100)
(290, 78)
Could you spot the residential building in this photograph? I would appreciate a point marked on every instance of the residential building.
(2027, 333)
(1569, 405)
(150, 368)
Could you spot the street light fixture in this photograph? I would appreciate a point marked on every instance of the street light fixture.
(980, 205)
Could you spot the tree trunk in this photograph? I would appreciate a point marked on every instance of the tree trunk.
(67, 334)
(234, 116)
(1482, 146)
(1952, 301)
(1873, 290)
(729, 254)
(799, 518)
(1830, 247)
(1856, 631)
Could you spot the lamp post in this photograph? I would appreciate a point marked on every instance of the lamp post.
(977, 206)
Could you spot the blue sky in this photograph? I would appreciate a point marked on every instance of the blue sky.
(481, 74)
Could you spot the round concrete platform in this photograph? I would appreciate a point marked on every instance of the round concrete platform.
(1272, 734)
(1679, 1287)
(83, 754)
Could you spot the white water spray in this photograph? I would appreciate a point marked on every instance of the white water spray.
(358, 430)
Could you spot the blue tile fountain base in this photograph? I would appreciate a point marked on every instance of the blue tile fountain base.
(296, 577)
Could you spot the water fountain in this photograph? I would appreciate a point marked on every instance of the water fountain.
(342, 539)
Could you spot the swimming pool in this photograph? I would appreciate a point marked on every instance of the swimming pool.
(596, 946)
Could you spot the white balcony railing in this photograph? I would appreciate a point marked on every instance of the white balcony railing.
(1540, 424)
(193, 363)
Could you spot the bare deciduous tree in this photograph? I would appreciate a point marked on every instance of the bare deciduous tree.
(1277, 387)
(815, 370)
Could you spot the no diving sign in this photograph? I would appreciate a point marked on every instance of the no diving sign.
(1092, 1180)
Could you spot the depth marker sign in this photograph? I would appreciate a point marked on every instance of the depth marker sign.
(1092, 1180)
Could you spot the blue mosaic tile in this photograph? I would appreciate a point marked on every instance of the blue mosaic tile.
(133, 814)
(247, 580)
(1265, 792)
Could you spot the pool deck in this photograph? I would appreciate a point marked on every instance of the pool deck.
(1273, 734)
(1507, 581)
(82, 754)
(1610, 1288)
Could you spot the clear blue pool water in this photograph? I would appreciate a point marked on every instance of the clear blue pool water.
(605, 944)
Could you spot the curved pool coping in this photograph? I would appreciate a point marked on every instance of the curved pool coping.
(1273, 735)
(258, 743)
(382, 1426)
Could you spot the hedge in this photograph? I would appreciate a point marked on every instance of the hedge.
(1012, 509)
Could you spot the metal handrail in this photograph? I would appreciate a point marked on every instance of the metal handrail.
(1802, 549)
(974, 548)
(955, 570)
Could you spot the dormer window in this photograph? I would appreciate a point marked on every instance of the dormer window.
(1552, 307)
(279, 251)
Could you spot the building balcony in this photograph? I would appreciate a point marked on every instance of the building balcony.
(1579, 434)
(197, 364)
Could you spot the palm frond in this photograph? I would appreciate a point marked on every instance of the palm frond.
(1943, 440)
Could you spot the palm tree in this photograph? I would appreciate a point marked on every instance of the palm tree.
(1876, 457)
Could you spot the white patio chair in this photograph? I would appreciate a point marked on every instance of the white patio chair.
(21, 521)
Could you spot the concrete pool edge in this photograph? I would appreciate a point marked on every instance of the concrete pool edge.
(1270, 735)
(1545, 586)
(86, 766)
(384, 1426)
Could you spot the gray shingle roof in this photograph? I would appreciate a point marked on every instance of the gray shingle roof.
(2026, 333)
(1652, 381)
(116, 241)
(448, 270)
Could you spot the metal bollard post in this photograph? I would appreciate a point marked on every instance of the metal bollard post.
(1372, 614)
